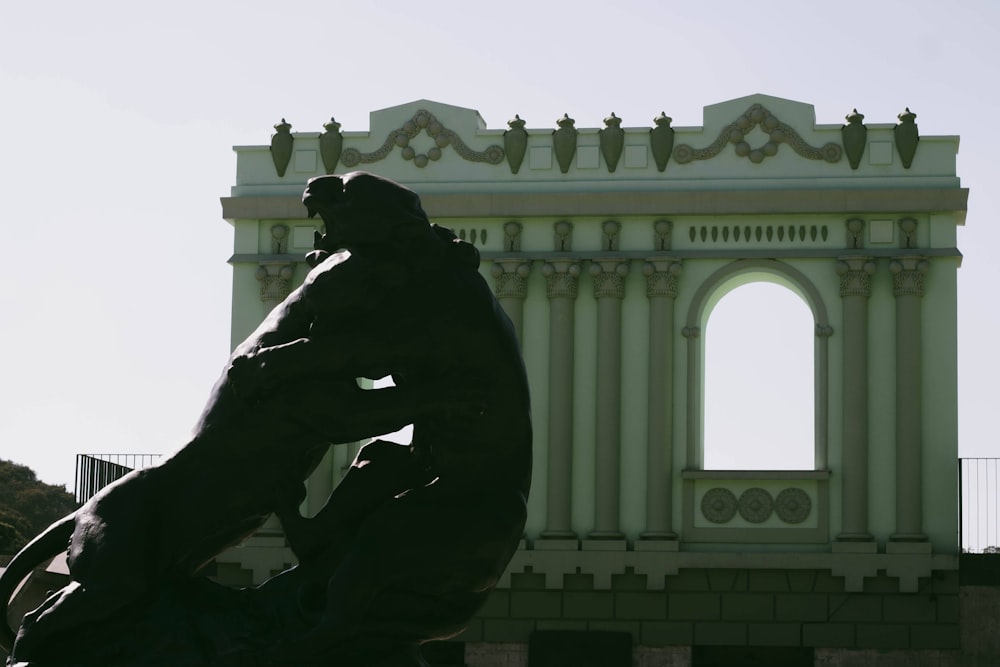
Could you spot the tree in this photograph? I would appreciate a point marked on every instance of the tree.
(27, 505)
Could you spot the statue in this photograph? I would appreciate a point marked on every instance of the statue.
(408, 545)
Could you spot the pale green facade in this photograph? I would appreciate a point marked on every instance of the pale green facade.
(610, 275)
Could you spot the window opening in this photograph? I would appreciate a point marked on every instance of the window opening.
(759, 381)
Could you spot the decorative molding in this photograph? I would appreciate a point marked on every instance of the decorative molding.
(777, 132)
(662, 235)
(793, 505)
(515, 143)
(908, 275)
(756, 505)
(609, 278)
(281, 146)
(662, 278)
(331, 144)
(719, 505)
(511, 279)
(610, 233)
(855, 233)
(275, 282)
(758, 233)
(856, 276)
(691, 332)
(512, 237)
(279, 239)
(564, 142)
(422, 121)
(561, 279)
(824, 331)
(612, 141)
(563, 240)
(473, 236)
(908, 235)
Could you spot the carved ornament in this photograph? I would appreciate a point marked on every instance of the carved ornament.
(908, 275)
(718, 505)
(793, 505)
(756, 505)
(561, 279)
(275, 282)
(777, 132)
(511, 278)
(856, 276)
(662, 278)
(609, 279)
(422, 121)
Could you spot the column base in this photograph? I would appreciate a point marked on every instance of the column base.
(658, 535)
(907, 537)
(855, 537)
(557, 535)
(606, 535)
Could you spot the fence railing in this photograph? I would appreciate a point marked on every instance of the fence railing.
(979, 505)
(95, 471)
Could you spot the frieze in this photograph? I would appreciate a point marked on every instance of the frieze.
(777, 132)
(758, 233)
(422, 121)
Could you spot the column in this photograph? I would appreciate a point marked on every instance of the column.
(609, 290)
(908, 287)
(511, 287)
(662, 277)
(561, 276)
(855, 290)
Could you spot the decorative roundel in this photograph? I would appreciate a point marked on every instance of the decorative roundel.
(718, 505)
(756, 505)
(793, 505)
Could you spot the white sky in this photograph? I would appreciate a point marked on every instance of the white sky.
(118, 118)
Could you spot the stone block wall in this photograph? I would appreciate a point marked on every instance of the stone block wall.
(701, 607)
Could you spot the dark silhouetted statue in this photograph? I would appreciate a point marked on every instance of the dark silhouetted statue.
(410, 542)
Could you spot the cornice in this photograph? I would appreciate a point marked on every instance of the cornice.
(718, 202)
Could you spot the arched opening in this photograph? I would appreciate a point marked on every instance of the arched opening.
(759, 403)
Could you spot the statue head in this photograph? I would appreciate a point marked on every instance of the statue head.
(361, 208)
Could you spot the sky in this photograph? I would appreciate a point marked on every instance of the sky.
(118, 120)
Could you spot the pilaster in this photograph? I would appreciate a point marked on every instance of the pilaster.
(908, 288)
(562, 277)
(662, 278)
(609, 290)
(855, 289)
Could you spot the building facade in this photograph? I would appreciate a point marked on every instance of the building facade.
(609, 248)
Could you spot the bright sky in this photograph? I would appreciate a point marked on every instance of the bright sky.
(118, 120)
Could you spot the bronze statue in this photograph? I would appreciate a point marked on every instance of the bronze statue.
(409, 543)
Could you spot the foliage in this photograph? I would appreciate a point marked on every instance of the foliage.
(27, 505)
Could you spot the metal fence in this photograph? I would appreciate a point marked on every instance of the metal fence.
(979, 505)
(95, 471)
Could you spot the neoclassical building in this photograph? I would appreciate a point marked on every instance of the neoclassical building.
(609, 248)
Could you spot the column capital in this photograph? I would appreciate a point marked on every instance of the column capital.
(908, 275)
(855, 276)
(561, 278)
(511, 278)
(691, 332)
(275, 282)
(609, 278)
(662, 277)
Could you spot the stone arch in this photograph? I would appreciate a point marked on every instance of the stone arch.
(711, 290)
